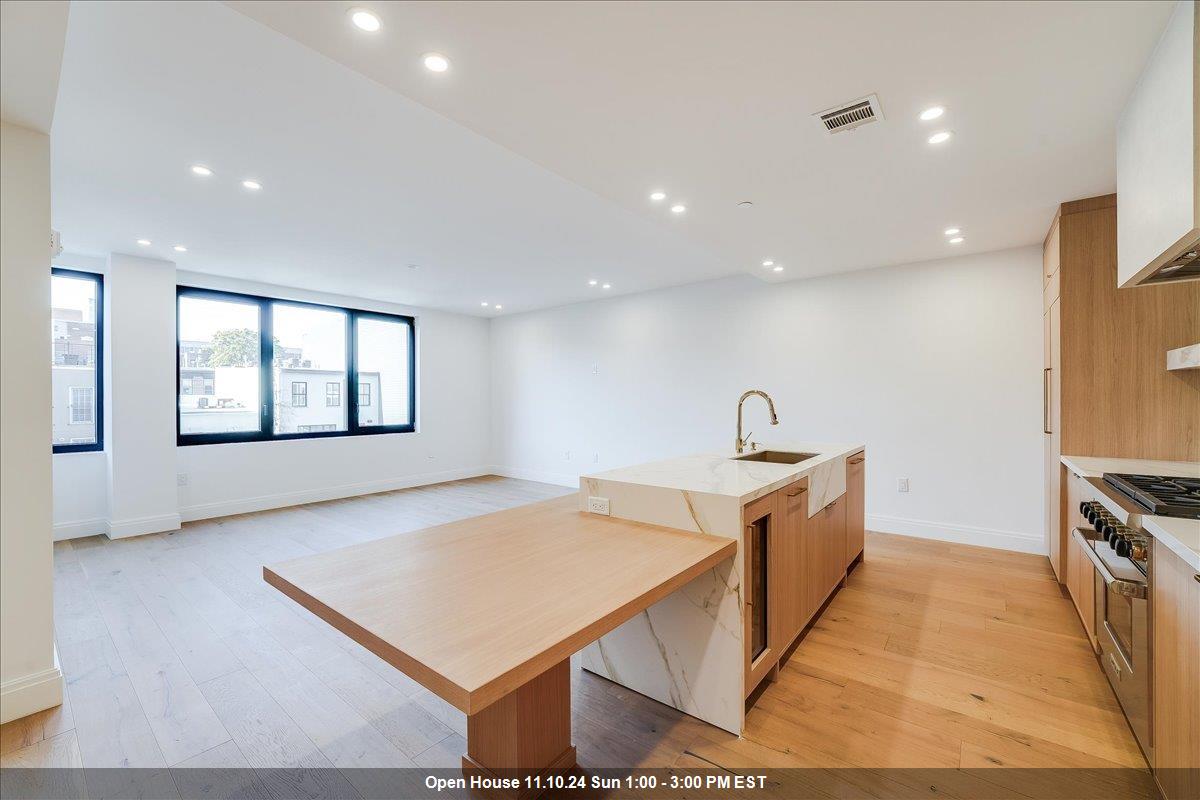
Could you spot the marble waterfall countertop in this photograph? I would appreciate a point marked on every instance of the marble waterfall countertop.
(721, 474)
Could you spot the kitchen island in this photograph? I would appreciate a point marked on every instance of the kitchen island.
(799, 526)
(688, 588)
(486, 613)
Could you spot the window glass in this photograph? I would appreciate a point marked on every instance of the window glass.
(230, 392)
(74, 347)
(383, 360)
(219, 380)
(310, 349)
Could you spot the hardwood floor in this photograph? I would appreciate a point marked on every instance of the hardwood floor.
(177, 653)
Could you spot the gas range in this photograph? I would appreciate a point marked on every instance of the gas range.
(1160, 495)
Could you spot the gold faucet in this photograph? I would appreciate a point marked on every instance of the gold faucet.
(740, 446)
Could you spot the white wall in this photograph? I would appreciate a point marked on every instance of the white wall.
(935, 366)
(451, 441)
(139, 394)
(29, 676)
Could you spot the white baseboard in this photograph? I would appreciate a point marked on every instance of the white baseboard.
(541, 476)
(32, 693)
(137, 526)
(80, 528)
(247, 505)
(962, 534)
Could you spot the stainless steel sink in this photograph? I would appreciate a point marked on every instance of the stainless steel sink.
(776, 457)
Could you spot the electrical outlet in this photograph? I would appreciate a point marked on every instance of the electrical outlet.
(566, 455)
(902, 484)
(181, 479)
(598, 505)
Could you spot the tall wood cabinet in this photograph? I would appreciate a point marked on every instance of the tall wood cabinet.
(1106, 389)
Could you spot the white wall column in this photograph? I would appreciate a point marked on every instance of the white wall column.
(139, 402)
(30, 679)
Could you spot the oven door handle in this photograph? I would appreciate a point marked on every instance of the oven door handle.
(1114, 584)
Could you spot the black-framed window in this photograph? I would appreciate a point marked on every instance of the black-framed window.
(77, 360)
(259, 355)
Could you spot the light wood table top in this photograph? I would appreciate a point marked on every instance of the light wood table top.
(476, 608)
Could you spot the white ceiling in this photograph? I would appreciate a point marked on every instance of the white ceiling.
(710, 101)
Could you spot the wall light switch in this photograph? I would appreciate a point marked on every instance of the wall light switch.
(598, 505)
(181, 479)
(902, 485)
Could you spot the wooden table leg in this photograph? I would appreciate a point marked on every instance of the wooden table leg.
(527, 732)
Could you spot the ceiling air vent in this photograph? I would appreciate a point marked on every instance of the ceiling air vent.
(849, 116)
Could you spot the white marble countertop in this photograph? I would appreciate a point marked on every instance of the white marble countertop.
(1096, 466)
(721, 474)
(1181, 536)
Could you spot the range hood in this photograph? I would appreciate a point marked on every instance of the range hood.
(1184, 267)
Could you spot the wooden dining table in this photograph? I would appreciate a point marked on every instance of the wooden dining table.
(486, 613)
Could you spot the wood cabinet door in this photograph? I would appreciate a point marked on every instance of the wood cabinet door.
(824, 554)
(855, 505)
(1050, 254)
(1176, 691)
(835, 537)
(788, 598)
(1080, 574)
(1085, 591)
(812, 563)
(1051, 419)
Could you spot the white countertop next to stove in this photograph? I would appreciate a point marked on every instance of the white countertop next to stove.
(1096, 466)
(1181, 536)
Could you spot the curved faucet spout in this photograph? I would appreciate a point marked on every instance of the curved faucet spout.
(740, 444)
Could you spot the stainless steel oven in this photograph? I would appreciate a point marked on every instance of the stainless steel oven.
(1121, 558)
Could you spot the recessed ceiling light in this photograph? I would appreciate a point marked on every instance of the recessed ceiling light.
(364, 20)
(939, 137)
(956, 240)
(678, 208)
(414, 266)
(435, 62)
(768, 263)
(484, 304)
(777, 269)
(606, 286)
(498, 306)
(932, 113)
(180, 248)
(657, 196)
(144, 242)
(201, 170)
(950, 231)
(252, 185)
(592, 283)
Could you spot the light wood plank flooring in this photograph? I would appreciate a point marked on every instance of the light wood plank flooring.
(177, 653)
